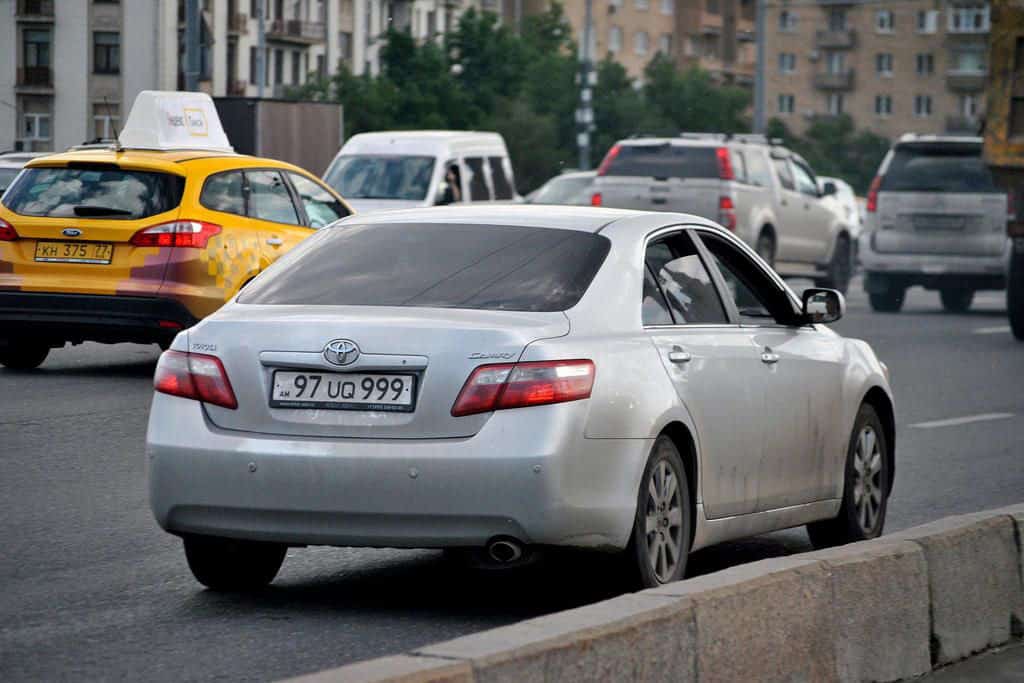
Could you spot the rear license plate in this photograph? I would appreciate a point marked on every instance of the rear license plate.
(98, 253)
(343, 391)
(939, 222)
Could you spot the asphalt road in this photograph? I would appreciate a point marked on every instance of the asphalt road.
(92, 589)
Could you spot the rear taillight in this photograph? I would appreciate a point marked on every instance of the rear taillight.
(518, 385)
(608, 159)
(176, 234)
(7, 231)
(724, 163)
(196, 376)
(872, 203)
(727, 213)
(596, 199)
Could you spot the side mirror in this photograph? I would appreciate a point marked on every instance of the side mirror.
(823, 305)
(828, 188)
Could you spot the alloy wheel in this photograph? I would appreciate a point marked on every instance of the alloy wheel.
(867, 480)
(664, 522)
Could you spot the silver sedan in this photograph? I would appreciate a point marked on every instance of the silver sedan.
(501, 379)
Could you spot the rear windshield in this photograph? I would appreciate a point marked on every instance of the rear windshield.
(435, 265)
(664, 161)
(381, 177)
(939, 168)
(94, 192)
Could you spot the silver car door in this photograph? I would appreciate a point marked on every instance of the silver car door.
(788, 248)
(818, 218)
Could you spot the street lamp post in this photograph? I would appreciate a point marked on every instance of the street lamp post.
(759, 68)
(585, 113)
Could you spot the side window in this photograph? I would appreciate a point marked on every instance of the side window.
(655, 308)
(502, 186)
(269, 199)
(321, 206)
(804, 181)
(785, 175)
(739, 165)
(224, 192)
(684, 281)
(757, 169)
(478, 191)
(758, 298)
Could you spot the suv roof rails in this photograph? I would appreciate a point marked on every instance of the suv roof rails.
(96, 143)
(704, 136)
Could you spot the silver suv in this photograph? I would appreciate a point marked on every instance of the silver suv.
(766, 194)
(935, 218)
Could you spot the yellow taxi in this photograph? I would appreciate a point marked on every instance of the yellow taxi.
(123, 244)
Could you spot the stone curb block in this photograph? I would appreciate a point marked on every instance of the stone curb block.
(394, 669)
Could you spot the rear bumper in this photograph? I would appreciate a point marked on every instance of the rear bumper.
(58, 318)
(926, 269)
(541, 486)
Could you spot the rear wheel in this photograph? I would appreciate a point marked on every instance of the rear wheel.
(865, 487)
(224, 564)
(840, 268)
(765, 247)
(885, 295)
(660, 543)
(956, 300)
(23, 356)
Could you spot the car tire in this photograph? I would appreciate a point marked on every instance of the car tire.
(765, 247)
(956, 300)
(660, 543)
(224, 564)
(866, 486)
(889, 300)
(1015, 296)
(840, 268)
(23, 356)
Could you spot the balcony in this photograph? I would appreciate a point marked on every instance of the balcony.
(836, 40)
(35, 78)
(966, 81)
(35, 10)
(296, 31)
(962, 125)
(842, 80)
(238, 23)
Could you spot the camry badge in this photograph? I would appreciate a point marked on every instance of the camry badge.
(71, 232)
(341, 352)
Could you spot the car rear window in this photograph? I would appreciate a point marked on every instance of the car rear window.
(664, 161)
(938, 168)
(94, 191)
(435, 265)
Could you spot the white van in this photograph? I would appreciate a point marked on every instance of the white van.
(406, 169)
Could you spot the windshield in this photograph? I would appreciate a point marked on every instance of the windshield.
(94, 192)
(938, 168)
(381, 177)
(564, 191)
(435, 265)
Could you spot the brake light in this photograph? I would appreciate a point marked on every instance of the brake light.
(596, 199)
(7, 231)
(727, 213)
(872, 203)
(608, 159)
(518, 385)
(185, 233)
(196, 376)
(724, 164)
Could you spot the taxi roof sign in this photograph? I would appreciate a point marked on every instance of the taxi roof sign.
(165, 120)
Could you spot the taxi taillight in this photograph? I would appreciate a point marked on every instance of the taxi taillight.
(518, 385)
(7, 231)
(180, 233)
(196, 376)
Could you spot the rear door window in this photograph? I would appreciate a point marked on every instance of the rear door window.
(785, 175)
(938, 168)
(269, 198)
(757, 169)
(502, 184)
(224, 192)
(94, 191)
(478, 191)
(435, 265)
(739, 165)
(664, 161)
(322, 208)
(684, 281)
(804, 180)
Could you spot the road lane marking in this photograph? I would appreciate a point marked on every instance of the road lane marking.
(1001, 329)
(967, 419)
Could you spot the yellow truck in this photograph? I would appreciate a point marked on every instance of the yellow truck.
(1004, 137)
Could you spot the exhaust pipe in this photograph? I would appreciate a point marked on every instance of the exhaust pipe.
(504, 550)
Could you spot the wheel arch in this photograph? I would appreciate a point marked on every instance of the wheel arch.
(877, 398)
(684, 442)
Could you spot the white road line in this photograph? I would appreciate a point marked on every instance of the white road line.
(967, 419)
(1002, 329)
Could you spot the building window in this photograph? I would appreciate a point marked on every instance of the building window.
(35, 126)
(835, 63)
(344, 47)
(643, 4)
(883, 64)
(37, 48)
(278, 67)
(969, 106)
(668, 7)
(969, 19)
(711, 6)
(711, 47)
(885, 21)
(837, 19)
(106, 120)
(922, 106)
(969, 61)
(928, 21)
(689, 46)
(296, 66)
(787, 62)
(835, 104)
(106, 52)
(614, 39)
(640, 42)
(883, 105)
(925, 64)
(614, 4)
(787, 104)
(787, 20)
(665, 44)
(254, 64)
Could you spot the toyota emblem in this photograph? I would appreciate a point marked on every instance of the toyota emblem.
(341, 352)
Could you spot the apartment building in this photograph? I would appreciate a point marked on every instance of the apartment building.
(718, 36)
(894, 67)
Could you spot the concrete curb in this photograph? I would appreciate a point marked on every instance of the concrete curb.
(883, 610)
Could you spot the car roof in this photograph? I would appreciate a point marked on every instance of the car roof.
(173, 161)
(582, 218)
(427, 142)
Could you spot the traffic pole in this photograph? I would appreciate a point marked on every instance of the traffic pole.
(759, 122)
(585, 113)
(192, 39)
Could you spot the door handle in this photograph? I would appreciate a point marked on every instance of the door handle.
(768, 356)
(677, 355)
(275, 241)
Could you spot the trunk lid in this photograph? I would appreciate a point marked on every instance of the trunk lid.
(968, 224)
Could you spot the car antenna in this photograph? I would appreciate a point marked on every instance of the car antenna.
(117, 135)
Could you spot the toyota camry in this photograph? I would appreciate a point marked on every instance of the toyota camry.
(503, 379)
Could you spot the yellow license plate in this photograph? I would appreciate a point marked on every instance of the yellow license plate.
(75, 252)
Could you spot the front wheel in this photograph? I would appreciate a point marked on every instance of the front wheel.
(865, 487)
(660, 543)
(224, 564)
(23, 356)
(956, 300)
